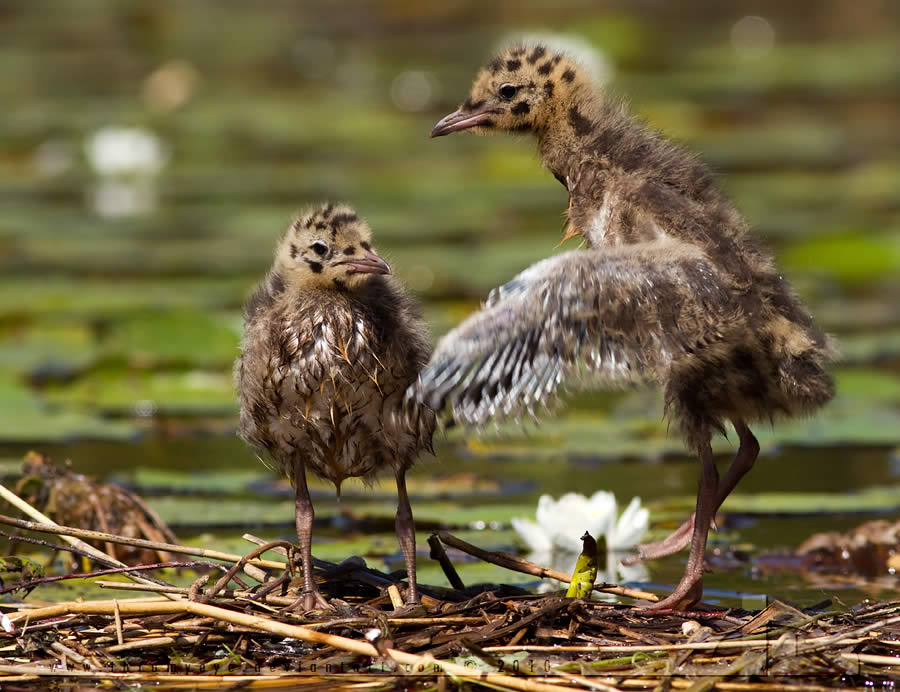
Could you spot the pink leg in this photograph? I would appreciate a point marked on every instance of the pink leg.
(690, 588)
(680, 538)
(304, 514)
(406, 536)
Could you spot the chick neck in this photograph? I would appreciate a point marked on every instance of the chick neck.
(571, 123)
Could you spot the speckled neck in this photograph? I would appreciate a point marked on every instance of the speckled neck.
(574, 123)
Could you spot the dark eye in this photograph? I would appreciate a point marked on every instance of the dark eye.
(507, 91)
(319, 248)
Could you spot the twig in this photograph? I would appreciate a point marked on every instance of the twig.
(587, 682)
(517, 564)
(871, 659)
(160, 642)
(551, 605)
(230, 574)
(283, 630)
(630, 648)
(120, 636)
(48, 523)
(361, 571)
(438, 553)
(45, 544)
(104, 572)
(59, 530)
(190, 680)
(394, 595)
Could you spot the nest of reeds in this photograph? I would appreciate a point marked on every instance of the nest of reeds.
(236, 626)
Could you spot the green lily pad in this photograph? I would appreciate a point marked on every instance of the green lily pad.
(48, 349)
(200, 339)
(849, 257)
(83, 298)
(871, 386)
(879, 499)
(126, 392)
(194, 511)
(24, 418)
(871, 347)
(221, 482)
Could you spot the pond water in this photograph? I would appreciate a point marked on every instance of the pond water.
(121, 284)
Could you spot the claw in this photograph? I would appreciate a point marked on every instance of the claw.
(410, 610)
(309, 601)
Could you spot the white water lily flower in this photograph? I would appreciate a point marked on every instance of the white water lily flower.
(560, 523)
(126, 151)
(126, 161)
(554, 540)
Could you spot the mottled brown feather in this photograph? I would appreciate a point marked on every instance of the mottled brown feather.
(330, 346)
(322, 372)
(671, 288)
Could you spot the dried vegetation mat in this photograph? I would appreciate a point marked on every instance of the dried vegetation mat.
(234, 627)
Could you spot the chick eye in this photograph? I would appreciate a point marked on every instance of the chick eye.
(319, 248)
(508, 91)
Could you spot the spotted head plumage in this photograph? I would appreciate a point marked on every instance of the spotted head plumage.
(523, 89)
(328, 246)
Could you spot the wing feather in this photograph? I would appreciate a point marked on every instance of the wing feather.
(619, 314)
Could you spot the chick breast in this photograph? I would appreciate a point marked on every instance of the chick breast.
(322, 375)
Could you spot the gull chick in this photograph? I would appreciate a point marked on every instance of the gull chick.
(331, 342)
(670, 289)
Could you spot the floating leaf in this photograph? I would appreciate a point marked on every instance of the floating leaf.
(192, 392)
(24, 418)
(200, 339)
(48, 350)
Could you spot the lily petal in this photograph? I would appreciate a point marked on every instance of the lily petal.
(533, 535)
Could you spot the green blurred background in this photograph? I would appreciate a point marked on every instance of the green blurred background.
(152, 152)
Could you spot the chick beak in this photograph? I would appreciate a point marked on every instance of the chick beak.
(370, 263)
(459, 120)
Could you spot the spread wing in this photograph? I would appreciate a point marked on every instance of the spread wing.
(621, 314)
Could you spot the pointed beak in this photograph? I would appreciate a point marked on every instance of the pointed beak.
(370, 263)
(458, 120)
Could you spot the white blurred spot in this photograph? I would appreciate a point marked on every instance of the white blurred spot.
(419, 278)
(52, 158)
(6, 623)
(752, 37)
(122, 151)
(414, 91)
(113, 197)
(170, 85)
(597, 63)
(314, 56)
(145, 408)
(126, 161)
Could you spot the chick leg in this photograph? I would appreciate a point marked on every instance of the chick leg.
(304, 515)
(406, 536)
(680, 538)
(690, 588)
